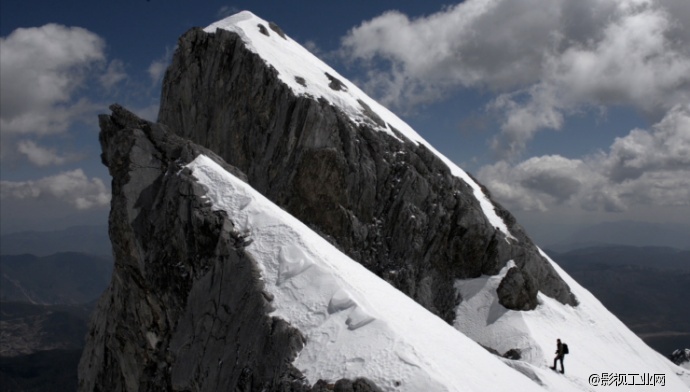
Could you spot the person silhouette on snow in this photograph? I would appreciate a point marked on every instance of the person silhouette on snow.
(559, 355)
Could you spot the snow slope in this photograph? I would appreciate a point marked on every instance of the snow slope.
(293, 62)
(356, 324)
(598, 341)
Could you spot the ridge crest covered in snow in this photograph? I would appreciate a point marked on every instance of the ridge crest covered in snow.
(307, 75)
(356, 324)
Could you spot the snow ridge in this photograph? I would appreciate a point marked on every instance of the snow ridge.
(306, 75)
(356, 324)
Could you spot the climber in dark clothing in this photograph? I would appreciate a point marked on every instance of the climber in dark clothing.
(559, 355)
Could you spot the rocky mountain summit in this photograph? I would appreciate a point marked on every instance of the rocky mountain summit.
(387, 201)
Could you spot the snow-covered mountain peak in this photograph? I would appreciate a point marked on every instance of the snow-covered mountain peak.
(307, 75)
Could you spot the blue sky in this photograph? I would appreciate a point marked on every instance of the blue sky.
(572, 113)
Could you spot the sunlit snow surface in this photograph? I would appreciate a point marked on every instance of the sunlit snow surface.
(356, 324)
(293, 61)
(598, 341)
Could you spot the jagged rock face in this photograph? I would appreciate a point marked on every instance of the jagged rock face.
(392, 205)
(186, 309)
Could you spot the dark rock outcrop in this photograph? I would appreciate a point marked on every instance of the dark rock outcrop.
(516, 292)
(680, 357)
(391, 205)
(514, 354)
(186, 309)
(345, 385)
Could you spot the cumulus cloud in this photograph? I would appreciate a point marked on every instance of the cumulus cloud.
(545, 59)
(158, 67)
(643, 168)
(42, 156)
(157, 70)
(478, 43)
(71, 187)
(40, 70)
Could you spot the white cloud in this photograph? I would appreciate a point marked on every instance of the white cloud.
(114, 74)
(158, 67)
(71, 187)
(665, 148)
(41, 156)
(644, 168)
(478, 43)
(41, 68)
(157, 70)
(545, 59)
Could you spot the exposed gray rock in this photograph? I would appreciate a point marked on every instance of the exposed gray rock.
(277, 29)
(335, 83)
(513, 353)
(186, 308)
(263, 29)
(516, 292)
(345, 385)
(392, 205)
(680, 357)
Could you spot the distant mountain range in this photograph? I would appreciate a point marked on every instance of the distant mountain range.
(646, 287)
(84, 239)
(627, 233)
(62, 278)
(44, 313)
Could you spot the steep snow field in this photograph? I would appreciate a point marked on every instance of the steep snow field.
(356, 324)
(292, 61)
(598, 341)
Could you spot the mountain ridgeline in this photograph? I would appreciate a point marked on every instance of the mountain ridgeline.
(389, 203)
(187, 307)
